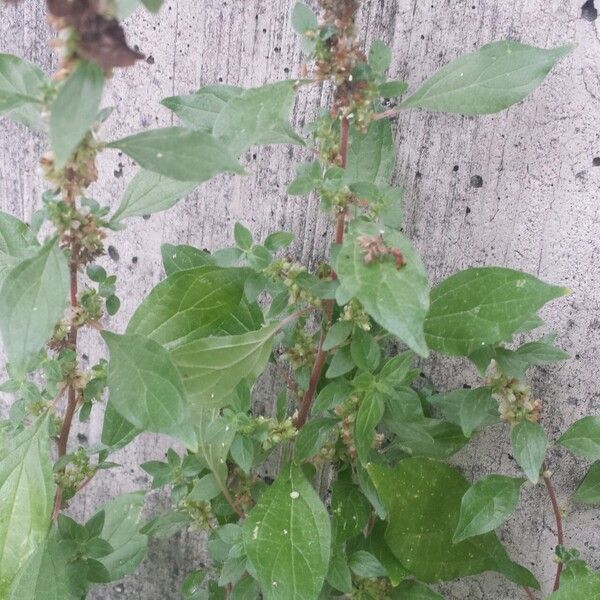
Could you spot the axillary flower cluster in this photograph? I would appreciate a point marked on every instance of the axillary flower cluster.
(515, 399)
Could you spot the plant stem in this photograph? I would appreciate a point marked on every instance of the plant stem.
(559, 527)
(529, 593)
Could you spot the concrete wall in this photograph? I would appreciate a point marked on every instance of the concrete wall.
(537, 209)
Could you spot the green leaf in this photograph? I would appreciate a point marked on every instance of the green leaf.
(349, 507)
(486, 505)
(583, 438)
(364, 564)
(277, 240)
(145, 386)
(117, 432)
(205, 489)
(166, 524)
(180, 154)
(149, 193)
(153, 5)
(391, 89)
(369, 414)
(380, 57)
(17, 242)
(19, 82)
(188, 305)
(339, 575)
(212, 367)
(487, 81)
(181, 258)
(257, 116)
(32, 300)
(287, 538)
(578, 582)
(26, 496)
(191, 586)
(398, 299)
(200, 110)
(485, 305)
(123, 517)
(415, 590)
(529, 443)
(74, 110)
(303, 18)
(470, 409)
(338, 333)
(365, 351)
(378, 547)
(371, 155)
(242, 236)
(588, 491)
(420, 533)
(242, 452)
(403, 404)
(312, 437)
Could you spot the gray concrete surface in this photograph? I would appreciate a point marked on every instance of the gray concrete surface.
(537, 210)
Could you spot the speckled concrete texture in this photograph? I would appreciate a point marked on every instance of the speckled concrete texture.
(519, 189)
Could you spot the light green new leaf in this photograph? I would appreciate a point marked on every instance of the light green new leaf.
(21, 81)
(145, 387)
(188, 305)
(200, 110)
(371, 155)
(33, 298)
(180, 154)
(380, 57)
(17, 242)
(181, 258)
(588, 491)
(257, 116)
(212, 367)
(514, 363)
(117, 432)
(303, 18)
(578, 582)
(149, 193)
(398, 299)
(420, 533)
(287, 538)
(486, 505)
(487, 81)
(583, 438)
(26, 495)
(153, 5)
(481, 306)
(369, 414)
(470, 409)
(529, 443)
(75, 109)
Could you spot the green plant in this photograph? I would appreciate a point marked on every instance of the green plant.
(399, 517)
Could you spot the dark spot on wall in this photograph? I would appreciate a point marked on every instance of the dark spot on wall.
(476, 181)
(466, 386)
(588, 11)
(134, 260)
(418, 175)
(118, 172)
(113, 253)
(82, 438)
(455, 168)
(150, 59)
(467, 210)
(145, 217)
(596, 161)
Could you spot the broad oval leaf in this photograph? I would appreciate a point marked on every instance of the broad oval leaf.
(75, 109)
(145, 387)
(578, 582)
(397, 298)
(369, 414)
(33, 298)
(349, 507)
(486, 505)
(117, 431)
(487, 81)
(583, 438)
(588, 491)
(181, 258)
(484, 305)
(17, 242)
(188, 305)
(149, 193)
(212, 367)
(420, 533)
(287, 538)
(26, 495)
(180, 154)
(529, 443)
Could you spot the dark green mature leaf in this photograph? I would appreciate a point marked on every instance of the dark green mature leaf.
(312, 437)
(243, 453)
(339, 576)
(470, 409)
(32, 300)
(188, 305)
(420, 533)
(123, 517)
(200, 110)
(212, 367)
(19, 82)
(349, 507)
(369, 414)
(588, 491)
(514, 363)
(149, 193)
(403, 404)
(529, 443)
(180, 154)
(117, 432)
(145, 387)
(181, 258)
(365, 350)
(481, 306)
(257, 116)
(26, 495)
(364, 564)
(414, 590)
(74, 110)
(487, 81)
(428, 437)
(371, 155)
(378, 547)
(486, 505)
(287, 538)
(583, 438)
(398, 299)
(17, 242)
(578, 582)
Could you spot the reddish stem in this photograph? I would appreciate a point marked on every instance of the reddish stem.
(559, 527)
(315, 377)
(529, 593)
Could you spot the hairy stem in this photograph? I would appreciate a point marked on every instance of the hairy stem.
(559, 527)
